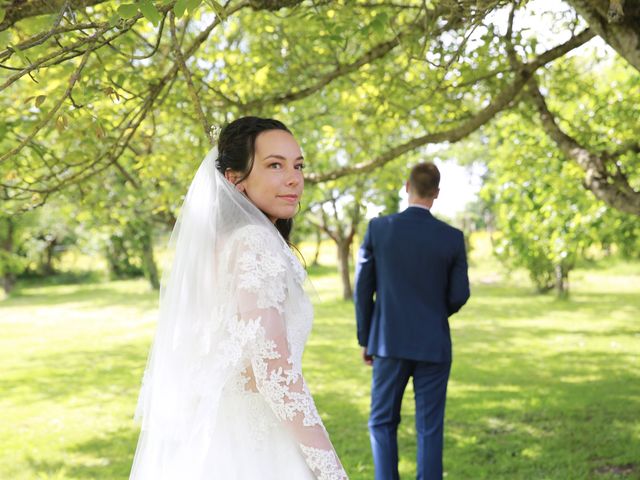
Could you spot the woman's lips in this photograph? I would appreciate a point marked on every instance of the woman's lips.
(289, 198)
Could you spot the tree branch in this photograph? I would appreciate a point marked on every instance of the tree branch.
(187, 76)
(47, 118)
(621, 31)
(341, 70)
(373, 54)
(21, 9)
(321, 227)
(58, 53)
(613, 188)
(499, 103)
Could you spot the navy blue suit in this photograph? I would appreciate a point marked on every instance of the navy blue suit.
(410, 277)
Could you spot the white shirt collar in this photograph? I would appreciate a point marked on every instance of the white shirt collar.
(419, 206)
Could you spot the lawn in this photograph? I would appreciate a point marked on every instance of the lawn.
(540, 388)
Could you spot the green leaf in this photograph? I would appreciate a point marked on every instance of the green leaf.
(39, 100)
(3, 13)
(80, 95)
(5, 38)
(193, 5)
(180, 7)
(114, 20)
(150, 12)
(20, 54)
(379, 23)
(128, 10)
(61, 123)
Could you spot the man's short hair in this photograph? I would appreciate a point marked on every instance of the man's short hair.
(424, 180)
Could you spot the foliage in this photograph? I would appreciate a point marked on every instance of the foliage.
(372, 83)
(33, 242)
(546, 222)
(111, 105)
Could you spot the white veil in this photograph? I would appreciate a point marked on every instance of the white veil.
(178, 399)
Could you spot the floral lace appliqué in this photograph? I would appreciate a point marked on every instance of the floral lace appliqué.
(279, 386)
(323, 463)
(262, 273)
(265, 341)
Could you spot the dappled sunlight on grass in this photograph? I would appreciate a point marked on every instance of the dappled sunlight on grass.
(540, 388)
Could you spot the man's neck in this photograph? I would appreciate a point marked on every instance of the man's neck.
(420, 202)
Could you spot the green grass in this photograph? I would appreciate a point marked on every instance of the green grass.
(540, 388)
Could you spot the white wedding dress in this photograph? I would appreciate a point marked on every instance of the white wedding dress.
(224, 396)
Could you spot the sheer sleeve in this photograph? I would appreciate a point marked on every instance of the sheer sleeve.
(261, 291)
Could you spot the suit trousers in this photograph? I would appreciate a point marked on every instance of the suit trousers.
(390, 377)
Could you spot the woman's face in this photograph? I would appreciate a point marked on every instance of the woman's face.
(275, 183)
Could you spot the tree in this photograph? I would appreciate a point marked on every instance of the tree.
(47, 233)
(617, 22)
(31, 242)
(11, 262)
(545, 221)
(105, 92)
(412, 67)
(338, 215)
(339, 207)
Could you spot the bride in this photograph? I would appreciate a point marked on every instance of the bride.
(223, 396)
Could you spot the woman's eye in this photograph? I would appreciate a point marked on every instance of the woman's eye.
(274, 165)
(300, 166)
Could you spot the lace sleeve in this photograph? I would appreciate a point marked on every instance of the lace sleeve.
(261, 290)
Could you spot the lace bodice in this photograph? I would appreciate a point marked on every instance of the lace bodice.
(267, 336)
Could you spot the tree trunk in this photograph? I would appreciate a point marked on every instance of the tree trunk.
(344, 248)
(617, 22)
(117, 257)
(47, 264)
(148, 261)
(318, 244)
(562, 281)
(8, 278)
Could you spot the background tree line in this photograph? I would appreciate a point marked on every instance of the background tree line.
(108, 109)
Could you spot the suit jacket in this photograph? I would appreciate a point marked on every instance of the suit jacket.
(411, 276)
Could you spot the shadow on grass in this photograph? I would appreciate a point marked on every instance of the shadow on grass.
(533, 401)
(321, 270)
(77, 373)
(89, 296)
(61, 278)
(523, 403)
(568, 415)
(507, 303)
(108, 456)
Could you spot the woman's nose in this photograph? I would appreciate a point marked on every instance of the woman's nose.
(294, 177)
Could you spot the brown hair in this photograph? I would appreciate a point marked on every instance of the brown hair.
(424, 180)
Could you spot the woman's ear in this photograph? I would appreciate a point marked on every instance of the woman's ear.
(230, 175)
(233, 177)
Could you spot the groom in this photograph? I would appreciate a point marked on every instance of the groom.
(416, 267)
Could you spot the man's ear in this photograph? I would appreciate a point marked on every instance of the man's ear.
(406, 186)
(436, 194)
